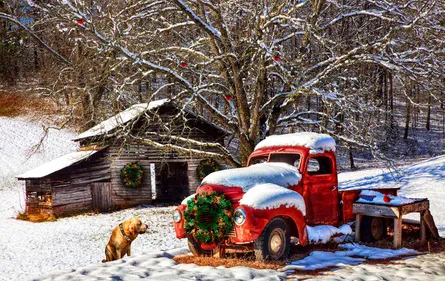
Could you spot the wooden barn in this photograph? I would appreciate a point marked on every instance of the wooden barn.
(90, 179)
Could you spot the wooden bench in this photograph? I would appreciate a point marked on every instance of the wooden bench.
(391, 211)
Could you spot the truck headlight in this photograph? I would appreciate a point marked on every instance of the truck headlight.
(239, 216)
(177, 216)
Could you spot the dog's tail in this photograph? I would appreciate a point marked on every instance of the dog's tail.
(104, 261)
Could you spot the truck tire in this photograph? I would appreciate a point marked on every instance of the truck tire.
(196, 249)
(372, 229)
(274, 241)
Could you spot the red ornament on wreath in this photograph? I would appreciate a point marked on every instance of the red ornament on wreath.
(79, 21)
(228, 98)
(183, 64)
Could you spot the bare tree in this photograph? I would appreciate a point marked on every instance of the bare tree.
(254, 67)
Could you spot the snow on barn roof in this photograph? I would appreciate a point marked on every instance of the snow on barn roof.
(314, 141)
(56, 164)
(121, 118)
(281, 174)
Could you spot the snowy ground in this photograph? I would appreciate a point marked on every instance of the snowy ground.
(72, 248)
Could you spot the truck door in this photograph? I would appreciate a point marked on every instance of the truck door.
(321, 191)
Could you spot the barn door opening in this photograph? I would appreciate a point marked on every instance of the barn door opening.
(101, 196)
(172, 182)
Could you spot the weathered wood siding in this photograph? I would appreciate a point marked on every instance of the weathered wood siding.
(38, 196)
(71, 187)
(122, 196)
(194, 181)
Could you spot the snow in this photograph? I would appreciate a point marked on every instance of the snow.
(317, 143)
(120, 119)
(57, 164)
(375, 197)
(18, 139)
(270, 196)
(354, 254)
(425, 179)
(281, 174)
(72, 248)
(324, 233)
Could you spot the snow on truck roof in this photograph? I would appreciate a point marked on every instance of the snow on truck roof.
(314, 141)
(281, 174)
(121, 118)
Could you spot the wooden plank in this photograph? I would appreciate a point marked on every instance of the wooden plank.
(419, 206)
(422, 227)
(397, 242)
(358, 222)
(429, 222)
(375, 210)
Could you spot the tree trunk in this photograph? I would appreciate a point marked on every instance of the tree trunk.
(428, 115)
(351, 159)
(407, 118)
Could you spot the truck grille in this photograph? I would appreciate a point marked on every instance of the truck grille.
(232, 232)
(207, 218)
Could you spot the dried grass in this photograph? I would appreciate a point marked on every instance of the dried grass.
(228, 262)
(35, 217)
(18, 104)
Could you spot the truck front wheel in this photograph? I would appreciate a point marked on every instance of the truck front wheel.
(372, 229)
(197, 250)
(274, 241)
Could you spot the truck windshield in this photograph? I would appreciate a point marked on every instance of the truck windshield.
(258, 159)
(291, 159)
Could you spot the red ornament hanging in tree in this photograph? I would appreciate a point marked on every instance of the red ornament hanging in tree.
(277, 58)
(228, 98)
(80, 21)
(386, 198)
(183, 64)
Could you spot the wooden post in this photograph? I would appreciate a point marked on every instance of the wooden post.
(422, 227)
(397, 232)
(358, 221)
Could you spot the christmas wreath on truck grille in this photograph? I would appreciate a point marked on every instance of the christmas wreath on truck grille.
(208, 217)
(132, 174)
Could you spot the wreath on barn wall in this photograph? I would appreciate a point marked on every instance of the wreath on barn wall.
(205, 167)
(208, 217)
(132, 174)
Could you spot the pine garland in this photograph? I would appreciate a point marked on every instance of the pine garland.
(205, 167)
(208, 217)
(132, 174)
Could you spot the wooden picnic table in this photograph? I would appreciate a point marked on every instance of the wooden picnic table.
(383, 210)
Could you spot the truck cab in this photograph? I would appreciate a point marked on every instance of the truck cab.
(290, 181)
(319, 185)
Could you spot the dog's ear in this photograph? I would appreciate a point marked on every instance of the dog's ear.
(132, 228)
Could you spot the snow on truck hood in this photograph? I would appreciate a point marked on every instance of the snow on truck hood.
(317, 143)
(281, 174)
(270, 196)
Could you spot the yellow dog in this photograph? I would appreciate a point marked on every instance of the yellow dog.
(121, 238)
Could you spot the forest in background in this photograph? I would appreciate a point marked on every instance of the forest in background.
(369, 73)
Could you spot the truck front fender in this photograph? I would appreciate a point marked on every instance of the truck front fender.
(256, 220)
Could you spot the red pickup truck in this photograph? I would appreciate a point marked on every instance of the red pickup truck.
(290, 182)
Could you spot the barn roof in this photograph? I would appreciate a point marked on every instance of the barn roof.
(56, 165)
(121, 118)
(132, 113)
